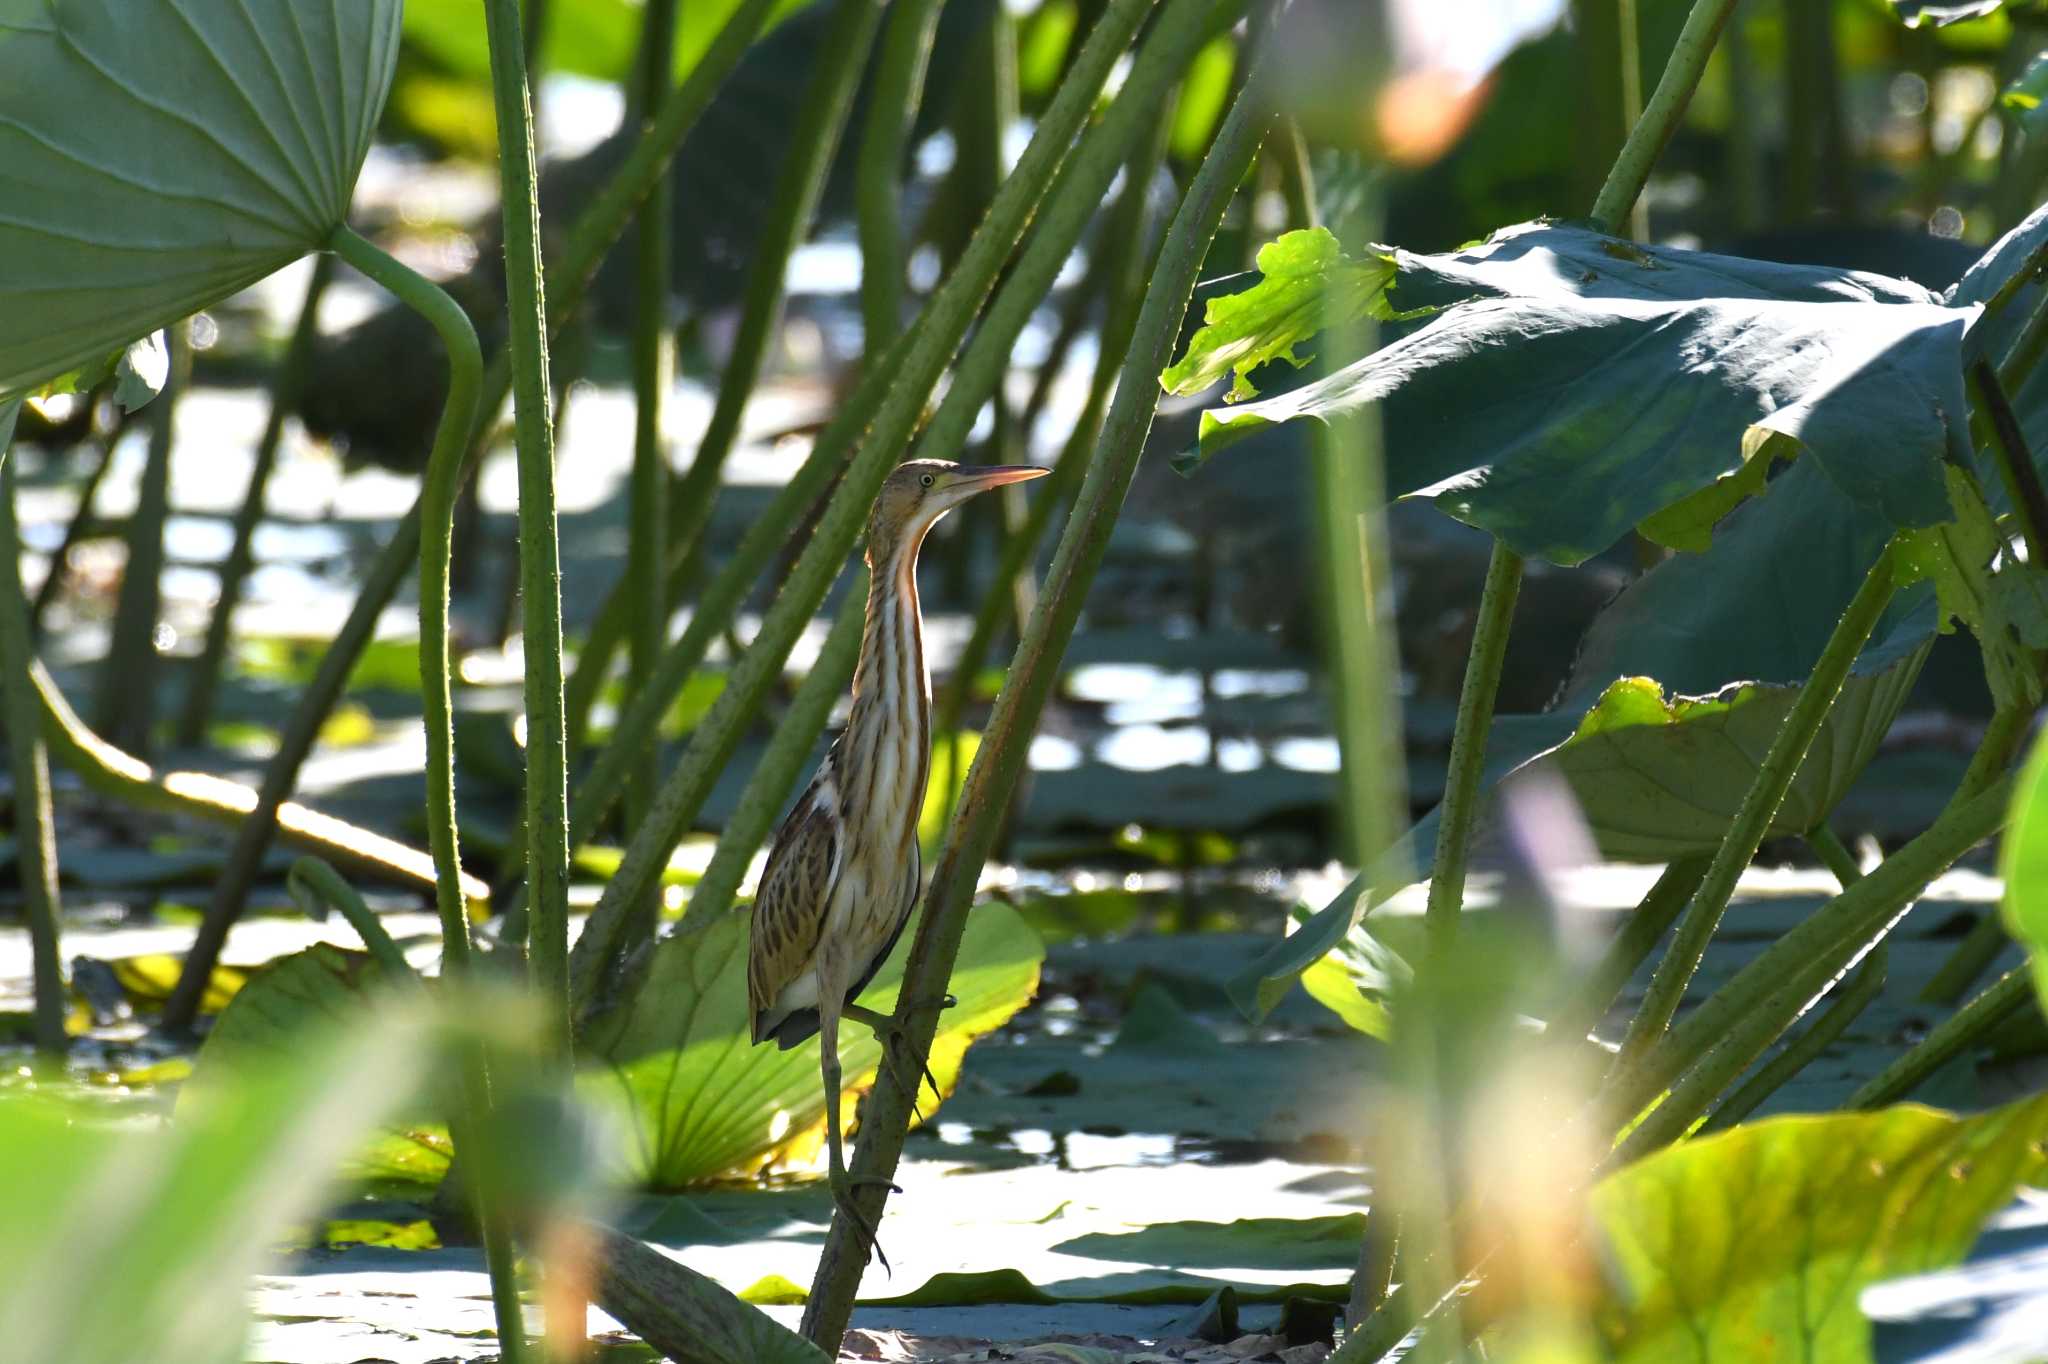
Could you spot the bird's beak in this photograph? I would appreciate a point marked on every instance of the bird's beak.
(979, 480)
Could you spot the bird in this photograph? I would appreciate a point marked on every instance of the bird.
(843, 870)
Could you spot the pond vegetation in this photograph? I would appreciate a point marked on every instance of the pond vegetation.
(1486, 806)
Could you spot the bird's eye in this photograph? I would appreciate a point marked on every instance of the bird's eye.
(926, 480)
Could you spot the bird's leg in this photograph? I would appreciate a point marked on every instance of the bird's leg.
(891, 1035)
(841, 1182)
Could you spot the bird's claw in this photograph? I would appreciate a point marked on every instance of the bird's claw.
(842, 1198)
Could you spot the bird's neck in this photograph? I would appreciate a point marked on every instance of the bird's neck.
(888, 738)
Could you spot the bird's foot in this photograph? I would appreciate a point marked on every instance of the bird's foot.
(843, 1185)
(896, 1049)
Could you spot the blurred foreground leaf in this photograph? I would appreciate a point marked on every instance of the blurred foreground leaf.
(1754, 1244)
(160, 1227)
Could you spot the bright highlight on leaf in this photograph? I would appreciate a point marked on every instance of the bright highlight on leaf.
(1309, 285)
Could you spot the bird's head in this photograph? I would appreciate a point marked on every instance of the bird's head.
(920, 491)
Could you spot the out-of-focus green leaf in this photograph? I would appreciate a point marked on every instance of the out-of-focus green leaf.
(1309, 283)
(1355, 978)
(1203, 92)
(2023, 863)
(1754, 1243)
(688, 1023)
(156, 158)
(174, 1220)
(1590, 385)
(596, 38)
(2022, 99)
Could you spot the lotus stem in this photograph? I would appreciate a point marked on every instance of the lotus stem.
(1662, 114)
(878, 178)
(1595, 994)
(1759, 806)
(929, 345)
(2015, 461)
(1468, 747)
(1000, 761)
(317, 888)
(1953, 1036)
(645, 616)
(35, 834)
(589, 238)
(1862, 990)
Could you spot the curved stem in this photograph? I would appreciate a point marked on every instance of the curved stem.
(928, 346)
(35, 834)
(1000, 760)
(444, 465)
(78, 529)
(437, 523)
(1759, 806)
(1596, 992)
(234, 570)
(125, 703)
(318, 889)
(2014, 460)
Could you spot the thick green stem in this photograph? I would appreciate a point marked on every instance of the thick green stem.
(437, 507)
(1000, 761)
(2003, 734)
(1122, 280)
(126, 703)
(234, 570)
(444, 466)
(2015, 461)
(1468, 746)
(1661, 115)
(540, 563)
(1593, 996)
(35, 834)
(589, 238)
(1759, 806)
(1734, 1025)
(1862, 990)
(782, 764)
(878, 180)
(1952, 1037)
(928, 347)
(646, 611)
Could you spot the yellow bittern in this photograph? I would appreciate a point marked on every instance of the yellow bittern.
(843, 872)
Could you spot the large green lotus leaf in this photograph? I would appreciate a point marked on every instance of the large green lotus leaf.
(2010, 254)
(1755, 1243)
(1590, 385)
(704, 1103)
(157, 157)
(180, 1217)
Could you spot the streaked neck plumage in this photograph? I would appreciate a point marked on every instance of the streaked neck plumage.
(887, 746)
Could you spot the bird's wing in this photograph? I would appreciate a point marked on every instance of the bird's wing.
(789, 910)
